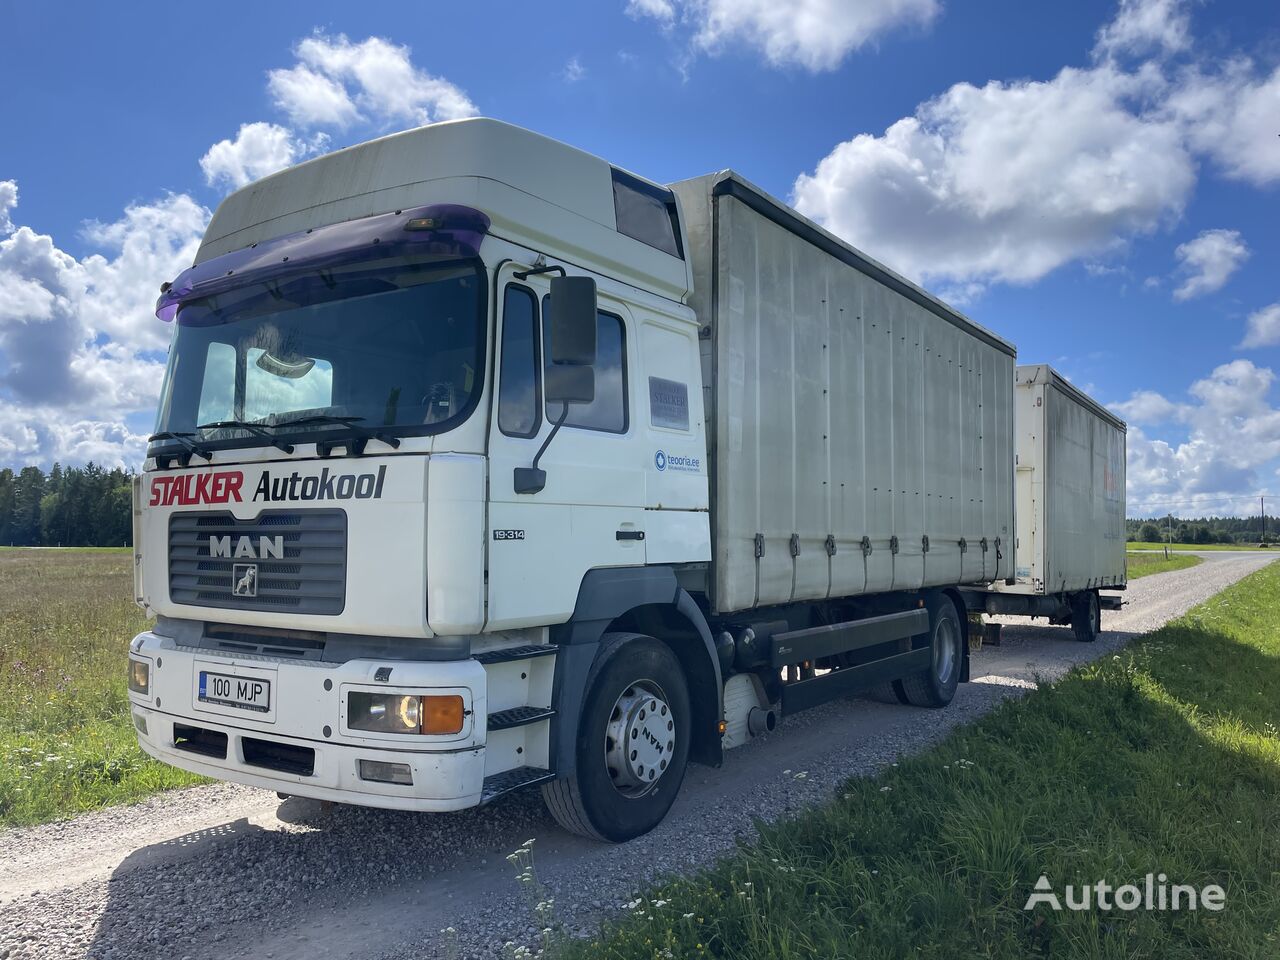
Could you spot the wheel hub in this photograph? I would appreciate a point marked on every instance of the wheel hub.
(639, 739)
(944, 650)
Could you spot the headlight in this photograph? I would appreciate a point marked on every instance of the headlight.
(139, 676)
(383, 712)
(404, 713)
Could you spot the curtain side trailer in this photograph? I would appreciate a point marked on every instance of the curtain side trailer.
(1070, 482)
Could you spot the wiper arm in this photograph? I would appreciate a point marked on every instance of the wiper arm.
(360, 435)
(256, 429)
(193, 448)
(315, 419)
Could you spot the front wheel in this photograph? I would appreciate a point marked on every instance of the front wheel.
(633, 743)
(936, 686)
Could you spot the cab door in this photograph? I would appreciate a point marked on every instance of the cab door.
(591, 511)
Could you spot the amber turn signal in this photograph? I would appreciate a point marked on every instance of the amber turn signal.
(442, 714)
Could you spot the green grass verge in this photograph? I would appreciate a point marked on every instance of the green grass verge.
(1145, 563)
(1252, 547)
(66, 738)
(56, 550)
(1164, 758)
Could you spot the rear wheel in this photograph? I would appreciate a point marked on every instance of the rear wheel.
(1086, 616)
(633, 743)
(936, 686)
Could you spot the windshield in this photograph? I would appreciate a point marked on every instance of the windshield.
(398, 350)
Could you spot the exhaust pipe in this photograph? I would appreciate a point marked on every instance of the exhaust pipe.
(760, 720)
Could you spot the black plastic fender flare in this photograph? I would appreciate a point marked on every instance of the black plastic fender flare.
(604, 596)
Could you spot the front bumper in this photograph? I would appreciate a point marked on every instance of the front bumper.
(300, 745)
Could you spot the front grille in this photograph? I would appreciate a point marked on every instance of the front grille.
(307, 574)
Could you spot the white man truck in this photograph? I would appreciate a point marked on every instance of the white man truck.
(481, 463)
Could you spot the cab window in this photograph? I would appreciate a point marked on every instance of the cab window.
(608, 411)
(518, 380)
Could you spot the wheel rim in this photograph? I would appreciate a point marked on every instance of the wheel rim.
(640, 739)
(944, 649)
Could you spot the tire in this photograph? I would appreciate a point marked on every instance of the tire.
(1086, 616)
(615, 793)
(936, 686)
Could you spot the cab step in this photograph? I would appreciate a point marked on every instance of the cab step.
(506, 655)
(500, 783)
(518, 717)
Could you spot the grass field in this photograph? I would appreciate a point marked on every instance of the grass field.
(1162, 759)
(66, 739)
(1136, 545)
(106, 550)
(1145, 563)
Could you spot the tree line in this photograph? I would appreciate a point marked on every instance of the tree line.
(1204, 529)
(86, 506)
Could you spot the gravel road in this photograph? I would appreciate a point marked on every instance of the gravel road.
(230, 872)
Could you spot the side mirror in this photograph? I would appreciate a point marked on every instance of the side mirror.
(570, 376)
(572, 318)
(570, 383)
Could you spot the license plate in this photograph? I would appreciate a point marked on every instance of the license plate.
(244, 693)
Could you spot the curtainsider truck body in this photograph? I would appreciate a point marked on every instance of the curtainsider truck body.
(483, 464)
(859, 430)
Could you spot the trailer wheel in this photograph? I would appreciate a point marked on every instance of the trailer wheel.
(633, 743)
(1086, 616)
(936, 686)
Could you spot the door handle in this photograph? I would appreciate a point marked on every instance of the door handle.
(629, 535)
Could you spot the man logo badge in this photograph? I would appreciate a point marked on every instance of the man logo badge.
(244, 580)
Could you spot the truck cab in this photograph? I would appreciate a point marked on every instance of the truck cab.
(369, 499)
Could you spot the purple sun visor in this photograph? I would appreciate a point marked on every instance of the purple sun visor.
(441, 229)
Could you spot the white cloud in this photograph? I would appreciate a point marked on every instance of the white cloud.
(1230, 114)
(1263, 328)
(658, 9)
(311, 98)
(814, 34)
(339, 82)
(1145, 26)
(259, 149)
(8, 200)
(1146, 406)
(1233, 440)
(79, 345)
(1208, 261)
(1008, 181)
(149, 244)
(573, 71)
(335, 83)
(44, 435)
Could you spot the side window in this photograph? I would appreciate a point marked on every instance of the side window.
(646, 213)
(518, 379)
(608, 411)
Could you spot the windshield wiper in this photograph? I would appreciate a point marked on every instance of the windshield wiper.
(193, 448)
(319, 418)
(360, 435)
(254, 428)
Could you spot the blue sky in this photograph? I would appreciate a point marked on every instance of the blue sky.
(1095, 181)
